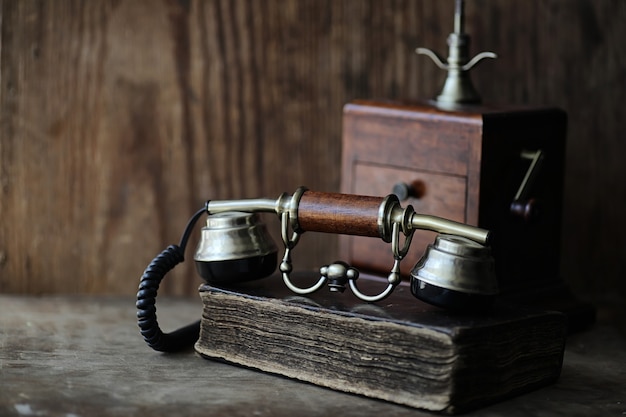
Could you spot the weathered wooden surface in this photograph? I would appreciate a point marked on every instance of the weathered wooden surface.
(119, 118)
(81, 356)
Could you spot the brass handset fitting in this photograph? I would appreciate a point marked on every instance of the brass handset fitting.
(235, 247)
(320, 206)
(381, 217)
(456, 271)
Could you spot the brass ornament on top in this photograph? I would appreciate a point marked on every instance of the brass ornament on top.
(458, 87)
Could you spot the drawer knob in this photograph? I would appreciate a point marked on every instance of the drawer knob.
(414, 189)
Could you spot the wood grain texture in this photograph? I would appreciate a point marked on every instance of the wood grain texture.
(119, 118)
(340, 213)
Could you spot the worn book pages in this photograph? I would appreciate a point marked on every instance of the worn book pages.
(399, 350)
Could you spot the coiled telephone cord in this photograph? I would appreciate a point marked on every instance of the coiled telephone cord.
(184, 337)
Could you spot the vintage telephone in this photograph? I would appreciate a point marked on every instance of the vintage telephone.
(456, 272)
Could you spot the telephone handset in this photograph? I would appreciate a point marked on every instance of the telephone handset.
(456, 271)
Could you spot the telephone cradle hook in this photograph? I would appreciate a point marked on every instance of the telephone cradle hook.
(339, 273)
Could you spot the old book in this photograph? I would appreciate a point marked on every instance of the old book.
(399, 350)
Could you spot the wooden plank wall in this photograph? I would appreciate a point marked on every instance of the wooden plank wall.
(119, 118)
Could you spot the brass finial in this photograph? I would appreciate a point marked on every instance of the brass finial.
(458, 88)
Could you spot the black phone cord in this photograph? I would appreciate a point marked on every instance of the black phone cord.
(184, 337)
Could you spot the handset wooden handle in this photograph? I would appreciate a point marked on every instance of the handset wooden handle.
(339, 213)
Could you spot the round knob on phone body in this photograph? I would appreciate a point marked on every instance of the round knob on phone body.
(413, 189)
(529, 210)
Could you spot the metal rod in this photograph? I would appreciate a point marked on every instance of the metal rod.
(459, 18)
(248, 206)
(439, 225)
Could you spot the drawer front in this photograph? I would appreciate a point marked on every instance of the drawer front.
(422, 143)
(441, 195)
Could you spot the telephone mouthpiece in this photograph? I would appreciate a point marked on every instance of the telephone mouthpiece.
(455, 273)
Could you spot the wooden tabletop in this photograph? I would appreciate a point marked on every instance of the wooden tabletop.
(82, 356)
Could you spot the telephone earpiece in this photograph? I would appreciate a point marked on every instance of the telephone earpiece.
(235, 247)
(456, 271)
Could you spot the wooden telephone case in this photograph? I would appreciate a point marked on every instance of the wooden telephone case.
(466, 165)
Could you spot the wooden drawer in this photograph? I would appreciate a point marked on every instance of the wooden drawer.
(439, 197)
(408, 140)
